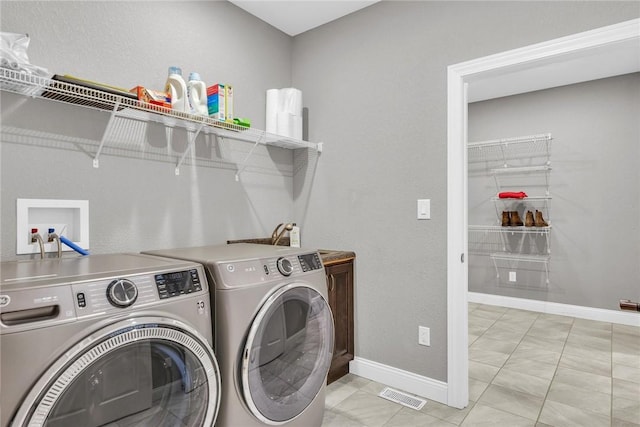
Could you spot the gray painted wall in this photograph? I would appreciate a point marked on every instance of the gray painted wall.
(375, 86)
(140, 204)
(595, 155)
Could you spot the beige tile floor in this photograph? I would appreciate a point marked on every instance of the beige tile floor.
(525, 369)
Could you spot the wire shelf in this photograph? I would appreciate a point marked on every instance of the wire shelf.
(503, 150)
(531, 199)
(122, 105)
(509, 230)
(518, 241)
(522, 169)
(505, 256)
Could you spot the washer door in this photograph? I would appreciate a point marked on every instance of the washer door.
(287, 353)
(148, 371)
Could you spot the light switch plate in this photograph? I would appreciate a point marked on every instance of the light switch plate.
(424, 208)
(424, 336)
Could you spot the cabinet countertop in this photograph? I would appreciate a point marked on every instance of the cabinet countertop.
(328, 256)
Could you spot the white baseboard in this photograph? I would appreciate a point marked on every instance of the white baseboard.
(600, 314)
(406, 381)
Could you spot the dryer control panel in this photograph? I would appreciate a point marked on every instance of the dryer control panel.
(247, 272)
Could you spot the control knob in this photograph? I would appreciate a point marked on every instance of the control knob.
(122, 293)
(284, 266)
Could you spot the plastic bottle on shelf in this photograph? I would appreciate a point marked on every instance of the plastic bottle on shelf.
(197, 95)
(294, 236)
(177, 90)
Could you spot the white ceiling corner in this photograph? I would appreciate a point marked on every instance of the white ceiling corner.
(294, 17)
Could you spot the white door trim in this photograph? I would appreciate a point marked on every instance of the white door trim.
(460, 75)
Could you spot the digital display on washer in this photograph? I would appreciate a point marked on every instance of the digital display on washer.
(178, 283)
(310, 261)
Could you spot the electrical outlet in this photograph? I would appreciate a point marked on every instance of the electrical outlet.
(512, 276)
(424, 336)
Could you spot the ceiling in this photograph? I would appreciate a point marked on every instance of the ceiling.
(297, 16)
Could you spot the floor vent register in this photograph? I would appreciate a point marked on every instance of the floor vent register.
(402, 398)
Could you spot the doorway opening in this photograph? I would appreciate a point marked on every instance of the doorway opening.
(591, 55)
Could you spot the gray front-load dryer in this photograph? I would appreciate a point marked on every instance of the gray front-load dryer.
(117, 340)
(273, 332)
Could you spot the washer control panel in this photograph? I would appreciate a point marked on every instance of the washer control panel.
(310, 262)
(178, 283)
(284, 266)
(120, 293)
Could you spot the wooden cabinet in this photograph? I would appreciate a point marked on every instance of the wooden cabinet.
(340, 290)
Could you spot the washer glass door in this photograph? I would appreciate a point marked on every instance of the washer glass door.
(143, 372)
(287, 353)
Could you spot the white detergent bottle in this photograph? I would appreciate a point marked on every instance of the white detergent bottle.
(177, 90)
(294, 236)
(197, 95)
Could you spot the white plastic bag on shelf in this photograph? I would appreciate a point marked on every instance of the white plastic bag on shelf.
(13, 54)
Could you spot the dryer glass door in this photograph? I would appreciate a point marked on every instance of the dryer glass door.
(287, 354)
(143, 372)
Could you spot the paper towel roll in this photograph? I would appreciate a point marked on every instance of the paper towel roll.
(297, 127)
(291, 101)
(271, 117)
(285, 124)
(284, 112)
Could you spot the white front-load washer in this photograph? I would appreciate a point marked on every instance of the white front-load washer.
(273, 332)
(106, 340)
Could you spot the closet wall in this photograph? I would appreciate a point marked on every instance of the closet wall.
(595, 159)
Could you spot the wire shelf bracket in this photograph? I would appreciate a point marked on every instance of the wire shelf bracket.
(244, 162)
(110, 124)
(192, 142)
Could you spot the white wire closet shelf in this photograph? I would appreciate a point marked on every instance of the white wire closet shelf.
(515, 229)
(514, 148)
(123, 106)
(520, 257)
(513, 261)
(523, 199)
(519, 164)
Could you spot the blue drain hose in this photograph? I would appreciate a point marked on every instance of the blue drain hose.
(73, 246)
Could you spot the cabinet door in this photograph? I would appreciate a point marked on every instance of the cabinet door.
(340, 290)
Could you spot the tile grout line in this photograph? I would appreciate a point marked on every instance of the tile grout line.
(525, 334)
(544, 401)
(611, 375)
(505, 362)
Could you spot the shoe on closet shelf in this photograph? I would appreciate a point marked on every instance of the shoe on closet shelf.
(506, 219)
(515, 219)
(529, 221)
(539, 221)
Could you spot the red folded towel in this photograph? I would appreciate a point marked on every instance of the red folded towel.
(512, 195)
